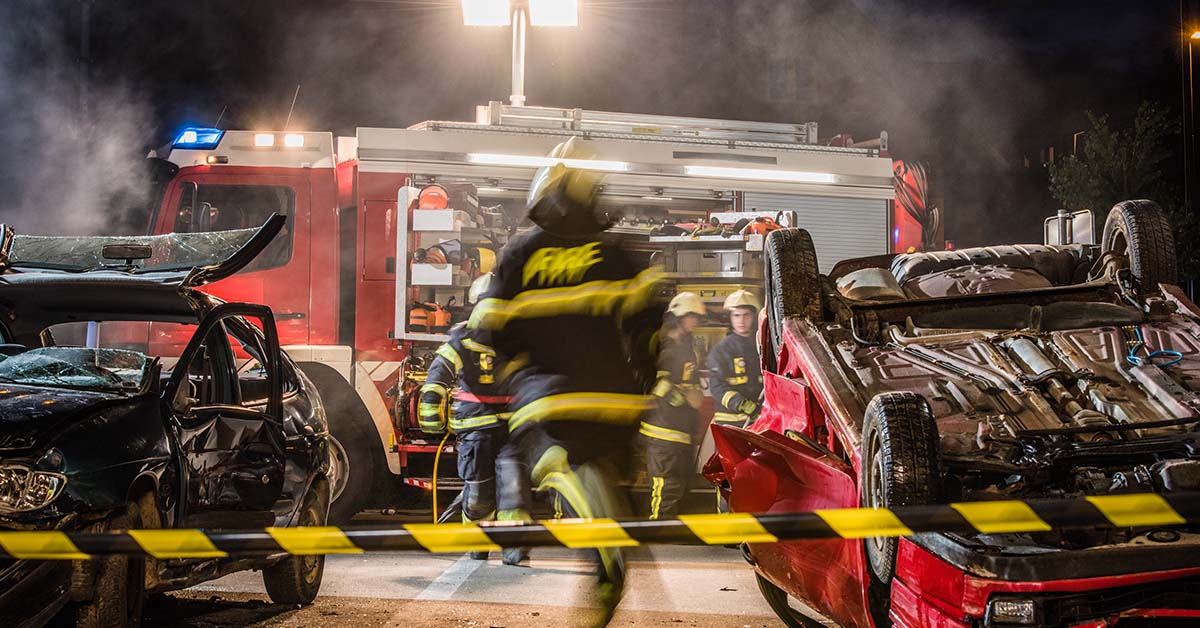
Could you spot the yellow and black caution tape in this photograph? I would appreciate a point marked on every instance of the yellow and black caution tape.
(990, 517)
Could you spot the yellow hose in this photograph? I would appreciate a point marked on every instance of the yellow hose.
(437, 458)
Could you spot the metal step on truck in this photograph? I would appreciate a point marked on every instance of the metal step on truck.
(387, 229)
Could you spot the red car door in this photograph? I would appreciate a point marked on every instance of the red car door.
(770, 472)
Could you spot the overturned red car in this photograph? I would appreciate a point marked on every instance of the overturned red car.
(1007, 372)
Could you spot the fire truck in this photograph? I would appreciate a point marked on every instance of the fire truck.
(386, 230)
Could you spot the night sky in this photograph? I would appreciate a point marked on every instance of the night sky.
(971, 87)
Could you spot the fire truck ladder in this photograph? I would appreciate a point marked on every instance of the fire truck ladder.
(499, 117)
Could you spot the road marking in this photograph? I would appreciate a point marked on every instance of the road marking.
(445, 585)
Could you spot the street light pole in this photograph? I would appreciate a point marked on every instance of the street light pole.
(520, 23)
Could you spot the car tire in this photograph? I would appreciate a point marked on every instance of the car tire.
(777, 599)
(1140, 232)
(901, 466)
(119, 594)
(297, 579)
(793, 284)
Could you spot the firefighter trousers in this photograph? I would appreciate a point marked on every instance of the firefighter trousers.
(583, 464)
(667, 468)
(494, 476)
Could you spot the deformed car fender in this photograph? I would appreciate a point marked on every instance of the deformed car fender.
(104, 454)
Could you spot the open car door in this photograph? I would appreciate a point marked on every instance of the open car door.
(233, 451)
(772, 472)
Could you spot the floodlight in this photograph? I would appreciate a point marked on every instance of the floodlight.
(554, 12)
(486, 12)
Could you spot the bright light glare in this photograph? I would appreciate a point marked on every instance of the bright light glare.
(554, 12)
(527, 161)
(486, 12)
(293, 140)
(790, 176)
(187, 137)
(1196, 35)
(264, 139)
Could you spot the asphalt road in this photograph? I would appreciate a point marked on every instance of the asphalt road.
(667, 586)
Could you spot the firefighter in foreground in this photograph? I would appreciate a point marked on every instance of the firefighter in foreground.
(465, 369)
(578, 318)
(735, 374)
(667, 435)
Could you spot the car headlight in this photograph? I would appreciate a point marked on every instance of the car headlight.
(22, 489)
(1012, 612)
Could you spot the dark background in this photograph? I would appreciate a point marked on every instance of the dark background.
(981, 90)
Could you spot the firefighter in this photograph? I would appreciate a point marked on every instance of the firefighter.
(734, 372)
(578, 318)
(667, 435)
(465, 370)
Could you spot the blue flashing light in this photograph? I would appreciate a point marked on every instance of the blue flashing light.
(896, 235)
(199, 138)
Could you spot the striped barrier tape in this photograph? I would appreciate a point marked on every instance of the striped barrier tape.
(988, 517)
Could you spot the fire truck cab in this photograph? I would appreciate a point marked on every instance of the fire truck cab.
(372, 266)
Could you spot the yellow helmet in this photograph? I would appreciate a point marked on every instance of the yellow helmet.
(686, 303)
(742, 298)
(479, 287)
(578, 184)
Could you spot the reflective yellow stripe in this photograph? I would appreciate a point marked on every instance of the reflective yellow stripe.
(665, 433)
(1136, 510)
(723, 529)
(176, 544)
(478, 347)
(861, 523)
(737, 381)
(998, 517)
(467, 423)
(594, 298)
(40, 544)
(429, 409)
(451, 538)
(729, 417)
(448, 352)
(589, 533)
(662, 388)
(656, 489)
(313, 540)
(612, 408)
(727, 397)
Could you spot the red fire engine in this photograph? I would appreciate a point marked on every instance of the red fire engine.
(386, 229)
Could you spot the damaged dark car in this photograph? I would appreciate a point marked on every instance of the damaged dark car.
(208, 424)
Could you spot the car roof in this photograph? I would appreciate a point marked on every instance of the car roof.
(45, 280)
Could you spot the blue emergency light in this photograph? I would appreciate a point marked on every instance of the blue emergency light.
(200, 138)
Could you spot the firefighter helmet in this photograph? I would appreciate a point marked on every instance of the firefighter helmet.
(562, 198)
(742, 298)
(479, 287)
(686, 303)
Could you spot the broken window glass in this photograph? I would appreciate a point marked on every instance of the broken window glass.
(77, 367)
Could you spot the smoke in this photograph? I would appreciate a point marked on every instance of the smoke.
(73, 144)
(970, 88)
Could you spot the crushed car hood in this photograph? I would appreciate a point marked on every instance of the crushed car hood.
(30, 413)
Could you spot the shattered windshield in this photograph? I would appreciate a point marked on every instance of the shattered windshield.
(172, 251)
(77, 367)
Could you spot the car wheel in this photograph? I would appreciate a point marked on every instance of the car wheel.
(1140, 232)
(901, 466)
(119, 594)
(297, 579)
(793, 283)
(778, 600)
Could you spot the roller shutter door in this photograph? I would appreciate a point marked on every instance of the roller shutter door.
(841, 228)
